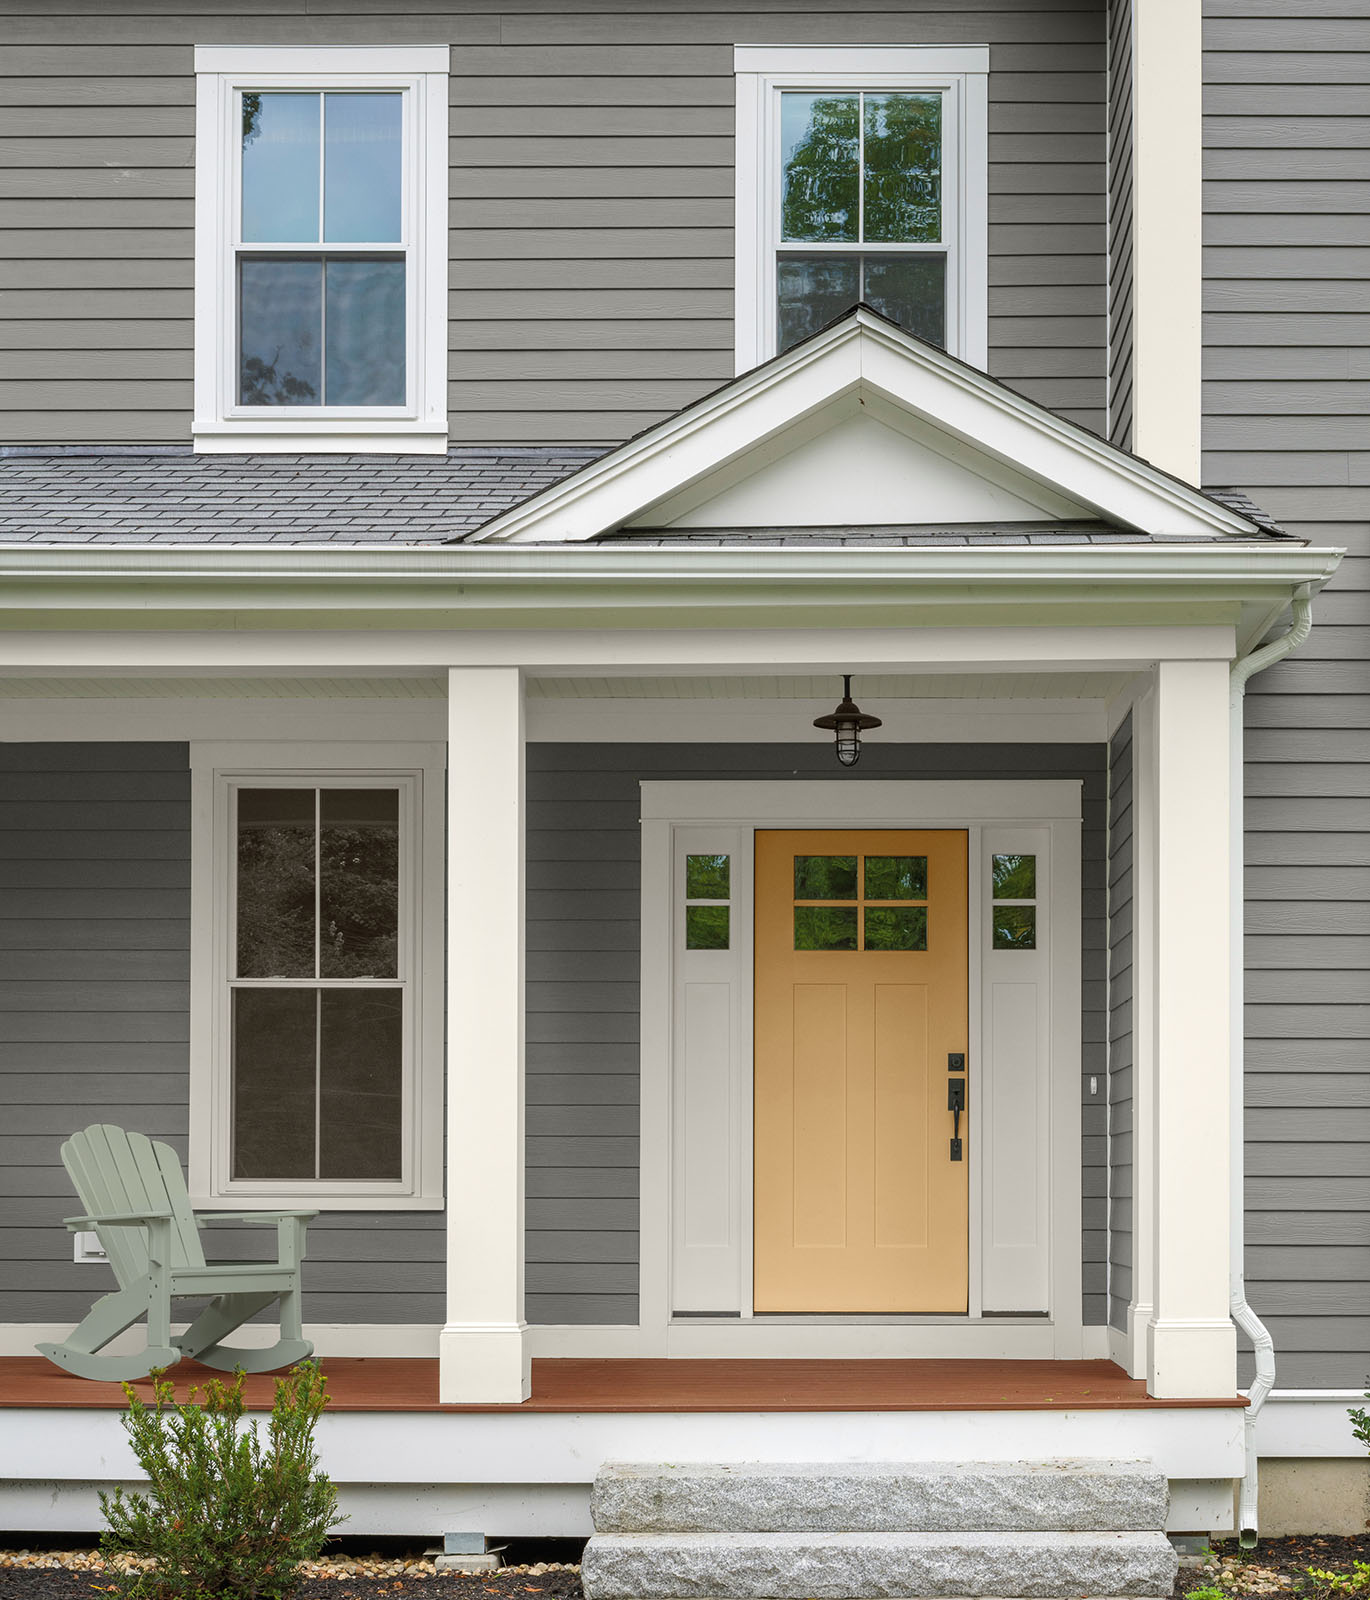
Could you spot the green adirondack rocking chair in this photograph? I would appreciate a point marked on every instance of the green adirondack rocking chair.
(136, 1202)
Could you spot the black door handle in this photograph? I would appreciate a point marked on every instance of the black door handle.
(956, 1104)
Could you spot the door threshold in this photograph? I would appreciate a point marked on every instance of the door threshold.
(875, 1319)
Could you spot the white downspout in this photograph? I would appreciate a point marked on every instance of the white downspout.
(1242, 1314)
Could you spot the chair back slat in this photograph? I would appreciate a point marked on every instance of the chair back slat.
(114, 1171)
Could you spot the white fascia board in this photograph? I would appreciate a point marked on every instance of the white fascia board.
(186, 568)
(863, 351)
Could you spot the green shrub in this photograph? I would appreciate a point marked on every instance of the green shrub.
(1208, 1591)
(231, 1511)
(1360, 1423)
(1357, 1581)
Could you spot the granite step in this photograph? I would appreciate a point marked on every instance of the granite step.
(876, 1566)
(1070, 1495)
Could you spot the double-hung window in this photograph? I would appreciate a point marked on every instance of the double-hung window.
(316, 1006)
(862, 177)
(321, 238)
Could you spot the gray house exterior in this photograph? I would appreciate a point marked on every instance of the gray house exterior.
(190, 601)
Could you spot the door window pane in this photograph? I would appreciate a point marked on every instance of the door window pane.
(359, 878)
(1015, 877)
(896, 927)
(280, 320)
(273, 1082)
(280, 168)
(825, 877)
(275, 883)
(896, 877)
(825, 927)
(706, 877)
(902, 187)
(821, 183)
(362, 168)
(1015, 927)
(360, 1082)
(364, 333)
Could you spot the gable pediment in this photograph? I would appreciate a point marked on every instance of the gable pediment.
(863, 425)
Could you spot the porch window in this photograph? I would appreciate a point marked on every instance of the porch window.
(319, 279)
(867, 183)
(316, 1011)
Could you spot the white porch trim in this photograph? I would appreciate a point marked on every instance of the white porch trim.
(483, 1352)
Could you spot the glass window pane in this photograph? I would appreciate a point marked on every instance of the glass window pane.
(896, 927)
(706, 877)
(273, 1083)
(896, 877)
(825, 877)
(820, 166)
(364, 319)
(275, 883)
(361, 168)
(825, 927)
(903, 174)
(811, 292)
(279, 318)
(1015, 927)
(359, 883)
(281, 168)
(1015, 877)
(910, 290)
(706, 927)
(360, 1081)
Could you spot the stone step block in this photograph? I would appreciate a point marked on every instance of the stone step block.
(1071, 1495)
(875, 1566)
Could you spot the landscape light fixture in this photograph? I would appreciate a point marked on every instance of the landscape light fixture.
(848, 722)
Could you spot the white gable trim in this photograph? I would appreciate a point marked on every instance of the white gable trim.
(863, 354)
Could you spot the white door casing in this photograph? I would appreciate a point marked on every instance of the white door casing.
(1024, 1077)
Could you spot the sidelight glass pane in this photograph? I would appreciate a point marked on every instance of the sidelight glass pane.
(361, 1034)
(359, 879)
(275, 884)
(706, 927)
(910, 290)
(273, 1083)
(1015, 927)
(363, 152)
(364, 338)
(825, 927)
(280, 168)
(903, 169)
(1015, 877)
(280, 325)
(825, 877)
(706, 877)
(820, 166)
(896, 927)
(896, 877)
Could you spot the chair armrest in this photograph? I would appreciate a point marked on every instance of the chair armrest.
(253, 1216)
(117, 1219)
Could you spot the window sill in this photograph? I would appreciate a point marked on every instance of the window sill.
(289, 437)
(315, 1202)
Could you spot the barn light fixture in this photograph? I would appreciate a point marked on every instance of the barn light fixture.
(848, 722)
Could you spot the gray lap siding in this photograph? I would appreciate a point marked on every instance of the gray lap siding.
(1287, 351)
(591, 192)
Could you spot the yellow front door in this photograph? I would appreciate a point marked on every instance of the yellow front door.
(861, 998)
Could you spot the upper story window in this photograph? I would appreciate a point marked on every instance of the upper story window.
(862, 176)
(321, 249)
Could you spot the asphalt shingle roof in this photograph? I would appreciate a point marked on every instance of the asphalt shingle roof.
(169, 495)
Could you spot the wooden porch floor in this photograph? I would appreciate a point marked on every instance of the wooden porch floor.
(566, 1385)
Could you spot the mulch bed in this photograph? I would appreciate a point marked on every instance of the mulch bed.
(1275, 1567)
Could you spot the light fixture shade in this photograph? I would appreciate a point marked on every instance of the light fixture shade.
(847, 722)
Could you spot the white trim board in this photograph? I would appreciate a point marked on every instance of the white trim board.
(1041, 1261)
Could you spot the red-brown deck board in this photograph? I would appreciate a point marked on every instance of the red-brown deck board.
(404, 1383)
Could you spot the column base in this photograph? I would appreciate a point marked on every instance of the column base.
(484, 1364)
(1138, 1321)
(1191, 1358)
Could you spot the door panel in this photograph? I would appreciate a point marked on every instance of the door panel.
(861, 993)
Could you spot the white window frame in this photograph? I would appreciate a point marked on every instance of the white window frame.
(961, 74)
(222, 74)
(218, 770)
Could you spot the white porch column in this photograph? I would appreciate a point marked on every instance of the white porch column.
(483, 1350)
(1191, 1342)
(1167, 233)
